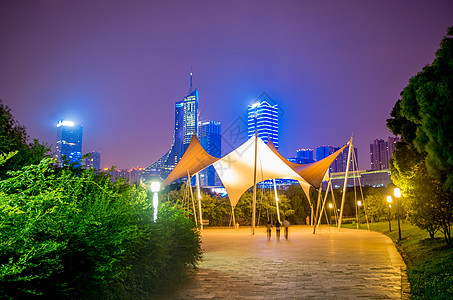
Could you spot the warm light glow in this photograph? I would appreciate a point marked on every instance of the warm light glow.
(65, 123)
(397, 192)
(389, 199)
(155, 186)
(359, 203)
(330, 205)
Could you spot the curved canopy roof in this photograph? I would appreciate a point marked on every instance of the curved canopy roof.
(194, 160)
(236, 170)
(313, 173)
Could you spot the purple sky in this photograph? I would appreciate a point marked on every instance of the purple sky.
(117, 67)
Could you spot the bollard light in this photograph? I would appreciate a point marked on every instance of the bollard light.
(155, 187)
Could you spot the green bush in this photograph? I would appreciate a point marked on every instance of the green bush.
(72, 233)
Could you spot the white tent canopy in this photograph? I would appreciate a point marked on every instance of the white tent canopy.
(236, 170)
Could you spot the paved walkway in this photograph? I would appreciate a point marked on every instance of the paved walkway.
(349, 264)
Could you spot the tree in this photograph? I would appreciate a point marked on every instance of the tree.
(424, 115)
(423, 160)
(13, 137)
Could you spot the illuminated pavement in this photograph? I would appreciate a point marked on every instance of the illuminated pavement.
(349, 264)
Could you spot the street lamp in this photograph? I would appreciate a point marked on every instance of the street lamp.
(155, 187)
(359, 204)
(389, 200)
(330, 212)
(397, 193)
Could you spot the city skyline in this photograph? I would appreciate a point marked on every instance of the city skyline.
(335, 69)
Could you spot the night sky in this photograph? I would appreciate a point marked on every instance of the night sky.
(117, 67)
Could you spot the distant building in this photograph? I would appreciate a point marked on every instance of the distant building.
(323, 152)
(93, 161)
(367, 178)
(186, 121)
(209, 135)
(131, 175)
(340, 163)
(69, 142)
(304, 156)
(381, 152)
(264, 118)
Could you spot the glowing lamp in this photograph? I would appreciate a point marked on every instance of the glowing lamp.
(359, 203)
(389, 199)
(65, 123)
(397, 192)
(330, 205)
(155, 187)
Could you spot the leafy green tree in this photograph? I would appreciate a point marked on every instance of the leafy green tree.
(424, 115)
(424, 118)
(376, 205)
(13, 137)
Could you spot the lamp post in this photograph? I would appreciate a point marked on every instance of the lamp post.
(359, 204)
(155, 187)
(330, 212)
(389, 200)
(397, 194)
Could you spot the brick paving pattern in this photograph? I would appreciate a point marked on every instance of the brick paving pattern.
(349, 264)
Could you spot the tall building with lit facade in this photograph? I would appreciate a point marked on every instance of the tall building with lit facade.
(186, 121)
(323, 152)
(304, 156)
(209, 135)
(93, 161)
(340, 163)
(381, 152)
(264, 118)
(69, 142)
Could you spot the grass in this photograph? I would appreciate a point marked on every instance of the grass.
(429, 261)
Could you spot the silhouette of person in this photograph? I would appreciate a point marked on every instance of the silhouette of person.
(286, 225)
(277, 229)
(269, 229)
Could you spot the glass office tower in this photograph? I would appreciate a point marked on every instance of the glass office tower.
(69, 142)
(264, 118)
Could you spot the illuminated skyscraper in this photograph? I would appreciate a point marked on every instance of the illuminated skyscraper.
(264, 118)
(186, 121)
(209, 135)
(69, 142)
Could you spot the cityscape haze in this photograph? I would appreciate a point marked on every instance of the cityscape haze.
(117, 67)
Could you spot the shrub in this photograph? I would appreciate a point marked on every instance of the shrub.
(72, 233)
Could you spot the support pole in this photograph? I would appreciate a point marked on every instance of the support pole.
(317, 209)
(276, 202)
(200, 214)
(232, 212)
(254, 185)
(193, 202)
(345, 184)
(323, 206)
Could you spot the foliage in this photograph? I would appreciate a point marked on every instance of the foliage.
(13, 137)
(424, 115)
(72, 233)
(376, 207)
(423, 160)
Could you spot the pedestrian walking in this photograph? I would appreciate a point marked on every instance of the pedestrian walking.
(277, 229)
(269, 229)
(286, 225)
